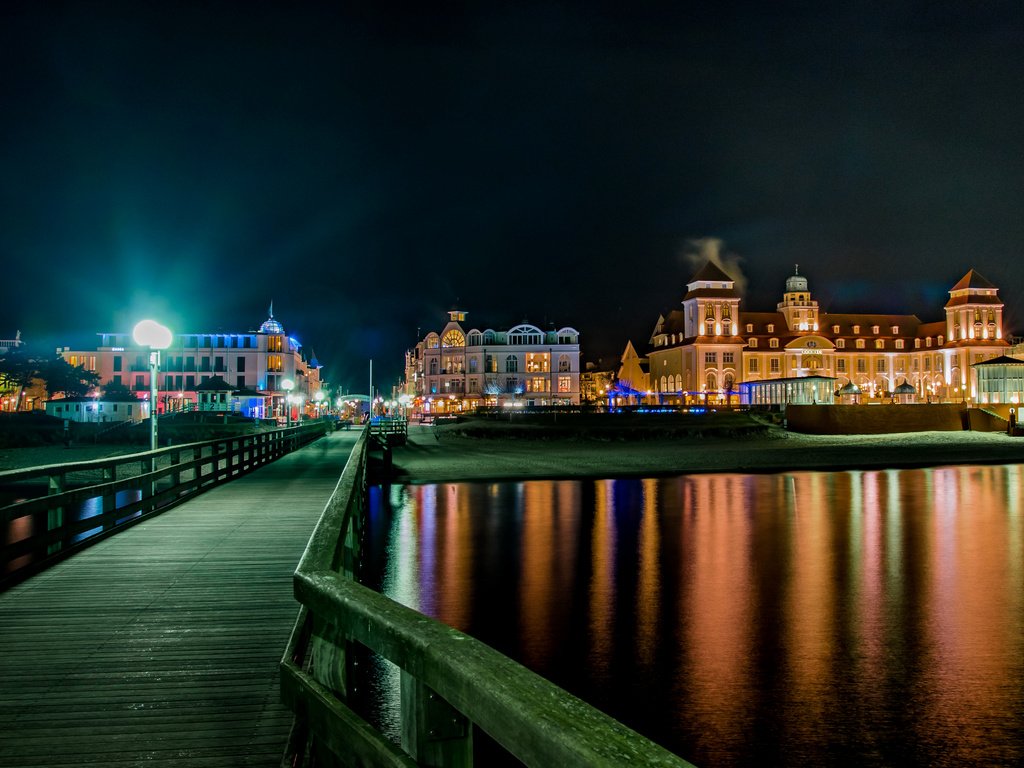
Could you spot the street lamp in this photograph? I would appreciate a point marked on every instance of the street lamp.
(319, 398)
(288, 385)
(149, 333)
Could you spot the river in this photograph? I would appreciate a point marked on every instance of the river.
(809, 618)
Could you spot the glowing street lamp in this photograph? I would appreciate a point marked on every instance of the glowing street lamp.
(149, 333)
(319, 398)
(288, 385)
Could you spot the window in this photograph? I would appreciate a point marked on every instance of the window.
(433, 367)
(752, 343)
(537, 362)
(728, 358)
(752, 365)
(895, 330)
(140, 382)
(726, 328)
(473, 384)
(862, 365)
(710, 358)
(511, 384)
(563, 363)
(750, 327)
(874, 329)
(880, 365)
(840, 366)
(840, 343)
(490, 364)
(274, 363)
(917, 343)
(472, 365)
(190, 382)
(773, 343)
(218, 364)
(709, 328)
(879, 344)
(240, 364)
(856, 329)
(275, 343)
(899, 343)
(204, 364)
(511, 364)
(860, 343)
(941, 341)
(240, 382)
(835, 329)
(792, 363)
(773, 365)
(565, 383)
(771, 327)
(117, 362)
(927, 363)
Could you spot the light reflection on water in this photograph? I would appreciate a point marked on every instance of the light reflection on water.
(870, 618)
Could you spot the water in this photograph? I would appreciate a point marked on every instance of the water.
(849, 618)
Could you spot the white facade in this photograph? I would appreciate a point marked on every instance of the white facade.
(458, 369)
(92, 411)
(258, 360)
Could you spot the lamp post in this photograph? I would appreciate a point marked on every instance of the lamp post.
(319, 398)
(288, 385)
(149, 333)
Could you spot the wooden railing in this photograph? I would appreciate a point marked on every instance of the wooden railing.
(450, 682)
(66, 507)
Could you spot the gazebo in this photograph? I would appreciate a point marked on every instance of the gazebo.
(1000, 380)
(848, 393)
(904, 393)
(215, 395)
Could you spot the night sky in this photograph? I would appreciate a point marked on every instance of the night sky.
(366, 169)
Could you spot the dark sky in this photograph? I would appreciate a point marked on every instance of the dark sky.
(365, 168)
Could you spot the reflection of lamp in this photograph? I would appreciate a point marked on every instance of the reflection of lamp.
(149, 333)
(288, 385)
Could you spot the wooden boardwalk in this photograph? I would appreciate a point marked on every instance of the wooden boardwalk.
(161, 645)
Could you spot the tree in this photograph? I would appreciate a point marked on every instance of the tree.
(66, 379)
(17, 370)
(117, 392)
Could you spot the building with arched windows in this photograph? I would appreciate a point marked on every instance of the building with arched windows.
(456, 369)
(703, 350)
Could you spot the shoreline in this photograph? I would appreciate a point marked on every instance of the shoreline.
(435, 457)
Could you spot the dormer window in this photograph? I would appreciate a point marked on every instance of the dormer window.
(928, 341)
(750, 327)
(899, 343)
(895, 330)
(773, 343)
(941, 342)
(860, 343)
(874, 329)
(771, 327)
(752, 343)
(856, 329)
(917, 343)
(835, 329)
(840, 343)
(879, 344)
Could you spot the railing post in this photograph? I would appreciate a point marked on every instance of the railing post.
(55, 516)
(109, 496)
(433, 732)
(175, 476)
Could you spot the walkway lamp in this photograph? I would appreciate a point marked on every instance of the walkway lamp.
(319, 398)
(149, 333)
(288, 385)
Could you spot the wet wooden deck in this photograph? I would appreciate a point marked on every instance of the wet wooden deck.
(161, 645)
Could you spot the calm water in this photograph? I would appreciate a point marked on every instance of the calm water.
(852, 618)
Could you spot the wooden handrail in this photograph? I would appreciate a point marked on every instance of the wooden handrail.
(450, 682)
(154, 481)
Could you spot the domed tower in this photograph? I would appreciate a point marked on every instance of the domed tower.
(270, 325)
(800, 311)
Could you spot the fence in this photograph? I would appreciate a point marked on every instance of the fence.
(61, 508)
(450, 683)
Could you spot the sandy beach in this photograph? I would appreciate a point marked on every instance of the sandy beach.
(437, 454)
(432, 455)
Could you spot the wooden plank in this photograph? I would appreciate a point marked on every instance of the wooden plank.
(162, 644)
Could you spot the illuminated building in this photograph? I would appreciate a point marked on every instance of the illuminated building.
(702, 351)
(256, 363)
(458, 369)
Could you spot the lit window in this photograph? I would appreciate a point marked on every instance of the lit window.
(771, 327)
(879, 344)
(841, 343)
(856, 329)
(874, 329)
(565, 384)
(773, 343)
(750, 327)
(752, 343)
(899, 343)
(860, 343)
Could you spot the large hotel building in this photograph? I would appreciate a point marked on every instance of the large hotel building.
(703, 351)
(253, 365)
(458, 369)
